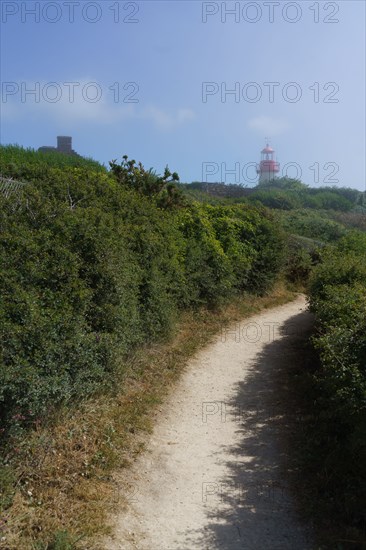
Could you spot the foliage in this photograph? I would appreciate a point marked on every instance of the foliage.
(352, 195)
(301, 255)
(283, 183)
(338, 299)
(235, 228)
(95, 264)
(277, 198)
(20, 163)
(329, 200)
(352, 220)
(288, 194)
(208, 279)
(148, 183)
(312, 224)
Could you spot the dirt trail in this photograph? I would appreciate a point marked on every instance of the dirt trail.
(214, 475)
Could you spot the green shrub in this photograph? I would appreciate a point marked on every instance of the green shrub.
(336, 269)
(208, 276)
(236, 233)
(298, 265)
(338, 299)
(89, 271)
(312, 224)
(330, 200)
(96, 263)
(277, 198)
(21, 163)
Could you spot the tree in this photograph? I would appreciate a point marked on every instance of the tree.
(162, 188)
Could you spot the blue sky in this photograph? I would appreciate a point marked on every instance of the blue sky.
(151, 80)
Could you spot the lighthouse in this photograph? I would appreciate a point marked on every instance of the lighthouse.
(268, 167)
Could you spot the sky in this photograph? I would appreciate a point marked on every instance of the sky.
(198, 86)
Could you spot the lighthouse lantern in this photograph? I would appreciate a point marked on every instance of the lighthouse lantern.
(268, 167)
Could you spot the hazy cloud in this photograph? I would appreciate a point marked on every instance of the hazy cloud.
(105, 111)
(264, 125)
(167, 120)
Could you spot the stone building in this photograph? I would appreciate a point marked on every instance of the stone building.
(64, 145)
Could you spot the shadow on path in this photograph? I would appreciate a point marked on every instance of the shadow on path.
(253, 506)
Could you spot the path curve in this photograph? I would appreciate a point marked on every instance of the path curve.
(214, 474)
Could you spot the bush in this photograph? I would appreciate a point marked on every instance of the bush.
(328, 200)
(19, 163)
(208, 276)
(312, 224)
(299, 261)
(236, 233)
(96, 263)
(281, 199)
(254, 245)
(89, 271)
(338, 299)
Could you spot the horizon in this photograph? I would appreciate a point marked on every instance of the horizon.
(201, 93)
(216, 182)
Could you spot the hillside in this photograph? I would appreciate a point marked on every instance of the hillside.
(100, 268)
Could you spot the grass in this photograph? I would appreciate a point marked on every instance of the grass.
(15, 157)
(62, 482)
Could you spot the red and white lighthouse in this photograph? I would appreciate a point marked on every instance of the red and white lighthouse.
(268, 167)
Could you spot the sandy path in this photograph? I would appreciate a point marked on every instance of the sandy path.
(214, 475)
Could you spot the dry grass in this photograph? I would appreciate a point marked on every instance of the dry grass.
(66, 472)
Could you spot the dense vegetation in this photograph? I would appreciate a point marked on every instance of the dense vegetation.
(96, 263)
(338, 454)
(310, 217)
(284, 194)
(17, 162)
